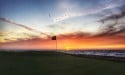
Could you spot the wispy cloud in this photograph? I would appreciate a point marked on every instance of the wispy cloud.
(23, 32)
(113, 24)
(70, 9)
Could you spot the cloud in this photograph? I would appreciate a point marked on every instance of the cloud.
(55, 26)
(21, 25)
(75, 35)
(76, 40)
(20, 32)
(67, 9)
(70, 9)
(114, 23)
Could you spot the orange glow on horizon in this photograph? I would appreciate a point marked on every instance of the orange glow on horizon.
(91, 43)
(69, 43)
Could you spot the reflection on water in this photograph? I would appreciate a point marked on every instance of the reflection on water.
(116, 53)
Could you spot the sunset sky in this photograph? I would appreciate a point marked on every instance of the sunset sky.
(78, 24)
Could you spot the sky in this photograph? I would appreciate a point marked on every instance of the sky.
(78, 24)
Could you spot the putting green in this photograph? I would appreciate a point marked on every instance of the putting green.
(56, 64)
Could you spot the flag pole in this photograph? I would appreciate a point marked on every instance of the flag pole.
(56, 43)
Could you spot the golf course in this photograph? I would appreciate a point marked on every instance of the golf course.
(55, 63)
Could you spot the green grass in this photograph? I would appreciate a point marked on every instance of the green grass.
(56, 64)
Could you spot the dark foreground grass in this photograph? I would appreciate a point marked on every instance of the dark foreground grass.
(50, 63)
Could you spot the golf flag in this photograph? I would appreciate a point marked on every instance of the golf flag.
(53, 38)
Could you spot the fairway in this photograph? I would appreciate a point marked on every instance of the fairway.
(52, 63)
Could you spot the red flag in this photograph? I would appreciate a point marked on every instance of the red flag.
(53, 38)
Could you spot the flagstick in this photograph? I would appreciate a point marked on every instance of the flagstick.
(56, 43)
